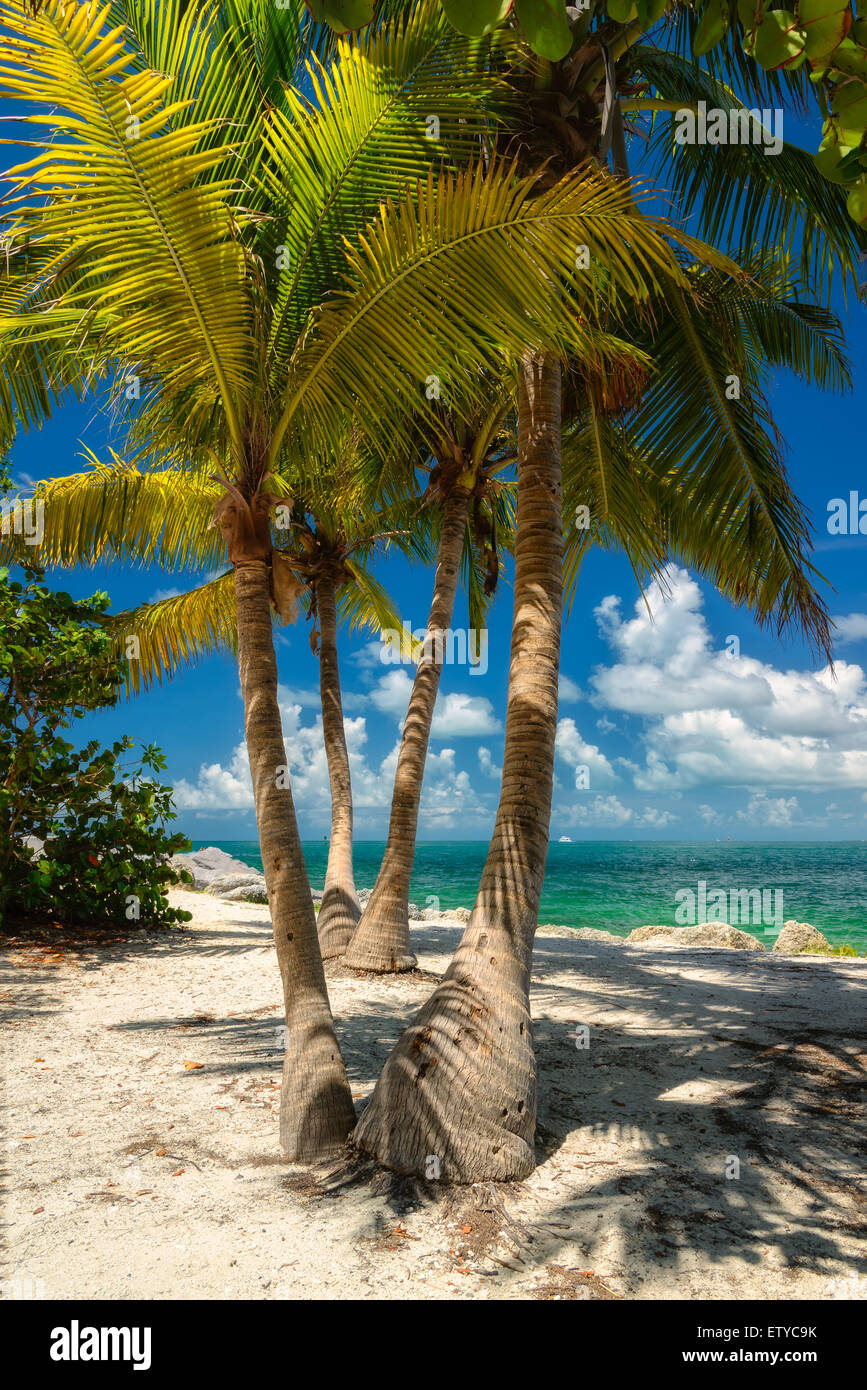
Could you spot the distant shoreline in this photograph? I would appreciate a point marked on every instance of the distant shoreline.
(617, 886)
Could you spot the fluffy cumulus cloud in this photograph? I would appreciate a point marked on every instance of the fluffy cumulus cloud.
(715, 716)
(771, 810)
(592, 768)
(487, 765)
(449, 798)
(219, 787)
(601, 812)
(464, 716)
(715, 738)
(455, 715)
(851, 627)
(569, 691)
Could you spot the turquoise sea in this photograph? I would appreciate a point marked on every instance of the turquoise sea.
(619, 885)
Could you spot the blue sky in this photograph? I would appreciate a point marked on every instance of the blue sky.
(672, 737)
(679, 740)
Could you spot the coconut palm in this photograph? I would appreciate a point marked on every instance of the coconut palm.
(117, 512)
(572, 111)
(687, 474)
(166, 259)
(473, 520)
(328, 547)
(556, 124)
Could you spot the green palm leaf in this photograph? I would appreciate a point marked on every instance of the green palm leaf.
(164, 267)
(742, 199)
(365, 137)
(115, 512)
(159, 638)
(455, 277)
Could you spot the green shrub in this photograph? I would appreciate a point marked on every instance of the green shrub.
(103, 821)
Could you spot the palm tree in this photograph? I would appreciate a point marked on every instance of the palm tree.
(474, 517)
(573, 110)
(685, 473)
(116, 512)
(162, 260)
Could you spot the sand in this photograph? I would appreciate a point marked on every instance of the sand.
(141, 1084)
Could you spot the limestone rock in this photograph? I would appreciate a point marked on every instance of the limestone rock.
(457, 914)
(704, 934)
(229, 883)
(586, 934)
(800, 936)
(205, 865)
(245, 893)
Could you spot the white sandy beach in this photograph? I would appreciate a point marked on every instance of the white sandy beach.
(141, 1083)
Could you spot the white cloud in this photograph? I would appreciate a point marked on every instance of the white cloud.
(716, 720)
(218, 787)
(391, 693)
(488, 766)
(455, 715)
(160, 594)
(369, 658)
(573, 750)
(308, 698)
(654, 816)
(851, 627)
(766, 810)
(464, 716)
(600, 810)
(568, 690)
(449, 798)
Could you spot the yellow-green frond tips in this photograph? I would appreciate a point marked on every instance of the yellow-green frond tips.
(471, 270)
(158, 638)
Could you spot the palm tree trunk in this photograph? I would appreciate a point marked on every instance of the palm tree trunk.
(340, 909)
(316, 1111)
(457, 1096)
(381, 941)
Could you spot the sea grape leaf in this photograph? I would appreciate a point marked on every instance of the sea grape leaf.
(829, 159)
(545, 26)
(778, 42)
(825, 22)
(649, 11)
(475, 17)
(751, 13)
(712, 27)
(856, 203)
(622, 11)
(850, 59)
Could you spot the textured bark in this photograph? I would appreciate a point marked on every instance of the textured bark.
(457, 1095)
(340, 909)
(316, 1111)
(381, 941)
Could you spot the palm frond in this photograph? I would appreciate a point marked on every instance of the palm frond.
(478, 267)
(157, 639)
(605, 498)
(163, 267)
(394, 103)
(727, 504)
(115, 512)
(742, 199)
(365, 604)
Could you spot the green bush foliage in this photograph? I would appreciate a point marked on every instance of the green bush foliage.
(103, 820)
